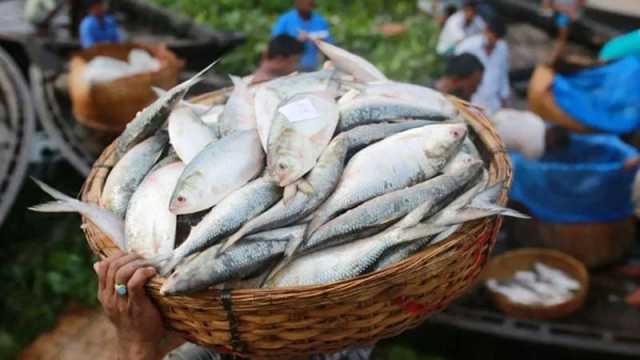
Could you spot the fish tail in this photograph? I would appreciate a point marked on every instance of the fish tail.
(201, 75)
(54, 206)
(56, 194)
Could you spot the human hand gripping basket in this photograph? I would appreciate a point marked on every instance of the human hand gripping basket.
(287, 322)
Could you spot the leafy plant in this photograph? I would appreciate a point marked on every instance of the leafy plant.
(46, 266)
(407, 57)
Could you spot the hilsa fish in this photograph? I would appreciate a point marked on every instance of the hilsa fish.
(148, 120)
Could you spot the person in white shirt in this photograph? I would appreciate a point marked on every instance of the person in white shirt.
(492, 51)
(526, 133)
(459, 26)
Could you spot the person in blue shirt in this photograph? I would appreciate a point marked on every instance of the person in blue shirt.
(98, 27)
(304, 24)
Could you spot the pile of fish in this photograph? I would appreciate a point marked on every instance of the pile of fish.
(541, 286)
(307, 179)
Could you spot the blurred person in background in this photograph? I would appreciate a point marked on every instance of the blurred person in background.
(98, 26)
(460, 26)
(39, 13)
(462, 76)
(621, 46)
(140, 332)
(304, 24)
(281, 58)
(565, 13)
(521, 131)
(527, 134)
(490, 48)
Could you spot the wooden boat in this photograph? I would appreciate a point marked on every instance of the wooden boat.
(45, 60)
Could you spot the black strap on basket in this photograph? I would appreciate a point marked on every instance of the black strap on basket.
(236, 343)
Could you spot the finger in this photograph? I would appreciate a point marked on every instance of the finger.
(103, 268)
(126, 271)
(113, 269)
(100, 268)
(136, 284)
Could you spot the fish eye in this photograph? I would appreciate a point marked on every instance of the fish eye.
(180, 199)
(282, 166)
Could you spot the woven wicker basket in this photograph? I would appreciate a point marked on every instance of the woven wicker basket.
(504, 267)
(282, 323)
(110, 106)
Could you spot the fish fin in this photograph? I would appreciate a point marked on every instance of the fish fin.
(276, 269)
(319, 219)
(158, 91)
(56, 194)
(200, 75)
(236, 80)
(305, 186)
(54, 206)
(289, 193)
(237, 236)
(166, 263)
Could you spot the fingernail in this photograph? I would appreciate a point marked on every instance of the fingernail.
(95, 266)
(151, 269)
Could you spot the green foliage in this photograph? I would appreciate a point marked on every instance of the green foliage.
(46, 266)
(407, 57)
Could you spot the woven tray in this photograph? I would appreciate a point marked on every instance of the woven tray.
(280, 323)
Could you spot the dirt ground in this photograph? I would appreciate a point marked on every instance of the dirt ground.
(80, 334)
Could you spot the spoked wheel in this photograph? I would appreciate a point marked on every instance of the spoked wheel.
(17, 126)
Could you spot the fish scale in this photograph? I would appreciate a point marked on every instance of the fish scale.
(207, 268)
(392, 206)
(234, 210)
(396, 162)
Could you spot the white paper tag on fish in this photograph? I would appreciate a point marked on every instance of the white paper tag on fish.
(299, 110)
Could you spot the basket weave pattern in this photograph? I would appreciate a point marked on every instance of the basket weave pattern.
(110, 106)
(279, 323)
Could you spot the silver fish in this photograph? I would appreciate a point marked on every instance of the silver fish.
(149, 225)
(403, 251)
(205, 270)
(151, 118)
(374, 108)
(398, 161)
(240, 206)
(301, 130)
(323, 178)
(350, 63)
(129, 171)
(415, 93)
(221, 168)
(391, 206)
(109, 223)
(198, 109)
(188, 134)
(239, 111)
(344, 261)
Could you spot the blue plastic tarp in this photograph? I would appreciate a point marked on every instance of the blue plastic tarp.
(584, 183)
(605, 98)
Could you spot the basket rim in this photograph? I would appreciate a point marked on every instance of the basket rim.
(499, 169)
